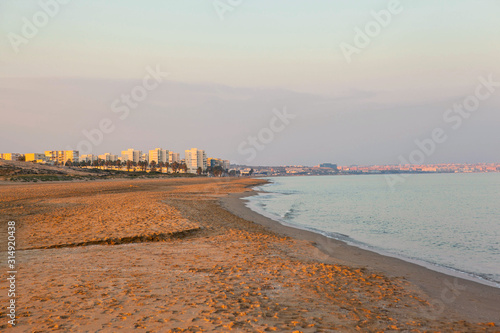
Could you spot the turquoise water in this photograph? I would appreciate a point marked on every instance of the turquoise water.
(449, 222)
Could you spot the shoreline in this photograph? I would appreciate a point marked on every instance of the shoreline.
(451, 295)
(433, 267)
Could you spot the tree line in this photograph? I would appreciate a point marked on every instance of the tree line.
(175, 167)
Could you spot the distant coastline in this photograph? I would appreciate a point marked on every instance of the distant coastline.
(333, 169)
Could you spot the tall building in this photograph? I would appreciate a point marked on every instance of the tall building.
(158, 155)
(62, 156)
(173, 157)
(131, 155)
(196, 158)
(108, 157)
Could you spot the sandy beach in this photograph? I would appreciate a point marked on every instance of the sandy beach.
(186, 255)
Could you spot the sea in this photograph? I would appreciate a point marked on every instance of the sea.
(446, 222)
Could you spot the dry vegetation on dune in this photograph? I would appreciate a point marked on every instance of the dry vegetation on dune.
(28, 171)
(17, 171)
(227, 275)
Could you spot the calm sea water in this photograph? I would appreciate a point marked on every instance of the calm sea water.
(448, 222)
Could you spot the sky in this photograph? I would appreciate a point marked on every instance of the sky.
(350, 95)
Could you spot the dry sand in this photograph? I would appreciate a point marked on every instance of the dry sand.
(163, 255)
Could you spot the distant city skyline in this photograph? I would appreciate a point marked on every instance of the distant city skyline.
(108, 75)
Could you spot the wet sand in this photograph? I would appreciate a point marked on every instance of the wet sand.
(163, 255)
(448, 295)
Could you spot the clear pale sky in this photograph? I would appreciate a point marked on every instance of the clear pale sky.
(226, 77)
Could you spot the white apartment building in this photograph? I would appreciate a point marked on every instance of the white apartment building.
(173, 157)
(196, 158)
(62, 156)
(131, 155)
(108, 157)
(158, 155)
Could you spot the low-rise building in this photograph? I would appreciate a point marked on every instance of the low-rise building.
(35, 157)
(214, 162)
(11, 156)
